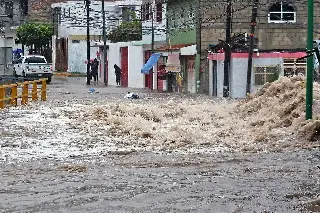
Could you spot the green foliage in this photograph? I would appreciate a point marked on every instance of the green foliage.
(35, 34)
(126, 31)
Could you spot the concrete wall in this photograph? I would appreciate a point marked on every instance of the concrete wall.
(238, 74)
(135, 63)
(77, 56)
(113, 58)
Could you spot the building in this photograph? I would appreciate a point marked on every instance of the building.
(154, 26)
(280, 38)
(12, 14)
(70, 31)
(183, 61)
(131, 56)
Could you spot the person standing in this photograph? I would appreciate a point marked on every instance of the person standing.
(118, 74)
(94, 70)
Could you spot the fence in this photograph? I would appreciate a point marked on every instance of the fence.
(9, 93)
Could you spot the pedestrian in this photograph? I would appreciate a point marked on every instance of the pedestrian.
(118, 74)
(94, 70)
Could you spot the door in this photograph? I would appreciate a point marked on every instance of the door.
(124, 66)
(214, 78)
(191, 75)
(148, 80)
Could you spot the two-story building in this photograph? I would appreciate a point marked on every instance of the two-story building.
(280, 38)
(70, 30)
(154, 26)
(183, 64)
(12, 14)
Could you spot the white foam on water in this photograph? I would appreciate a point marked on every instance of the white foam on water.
(270, 120)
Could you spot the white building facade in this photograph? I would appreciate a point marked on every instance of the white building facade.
(71, 24)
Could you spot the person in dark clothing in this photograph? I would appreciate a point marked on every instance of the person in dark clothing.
(118, 74)
(94, 69)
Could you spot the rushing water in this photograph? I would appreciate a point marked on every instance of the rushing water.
(97, 152)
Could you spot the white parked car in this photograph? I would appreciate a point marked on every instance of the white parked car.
(34, 66)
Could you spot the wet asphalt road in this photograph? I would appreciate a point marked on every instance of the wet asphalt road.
(150, 182)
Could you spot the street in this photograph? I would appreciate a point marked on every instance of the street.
(97, 152)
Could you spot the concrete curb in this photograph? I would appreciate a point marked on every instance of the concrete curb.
(67, 74)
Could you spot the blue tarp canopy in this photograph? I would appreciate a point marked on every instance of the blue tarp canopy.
(152, 61)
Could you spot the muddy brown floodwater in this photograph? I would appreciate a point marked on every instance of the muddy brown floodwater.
(63, 163)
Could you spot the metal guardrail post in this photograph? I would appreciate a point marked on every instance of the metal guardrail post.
(24, 99)
(14, 94)
(2, 97)
(44, 90)
(34, 91)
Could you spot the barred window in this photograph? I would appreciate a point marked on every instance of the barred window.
(265, 74)
(293, 67)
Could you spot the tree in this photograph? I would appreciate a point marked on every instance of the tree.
(127, 30)
(35, 34)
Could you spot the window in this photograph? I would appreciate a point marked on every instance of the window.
(281, 12)
(191, 16)
(35, 60)
(24, 7)
(293, 67)
(9, 8)
(143, 12)
(127, 13)
(159, 12)
(265, 74)
(173, 20)
(147, 11)
(181, 21)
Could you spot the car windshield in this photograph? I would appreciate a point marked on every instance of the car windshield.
(35, 60)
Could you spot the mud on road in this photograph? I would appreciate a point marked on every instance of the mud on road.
(72, 169)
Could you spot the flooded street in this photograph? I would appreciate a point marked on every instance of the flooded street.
(98, 152)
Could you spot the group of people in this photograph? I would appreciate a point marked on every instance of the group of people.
(94, 71)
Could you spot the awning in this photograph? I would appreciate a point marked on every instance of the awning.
(189, 50)
(152, 61)
(175, 47)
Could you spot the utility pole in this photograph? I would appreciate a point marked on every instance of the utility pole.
(88, 41)
(105, 76)
(227, 51)
(253, 25)
(198, 46)
(152, 31)
(309, 84)
(155, 67)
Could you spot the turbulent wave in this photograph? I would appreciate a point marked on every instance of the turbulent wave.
(273, 119)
